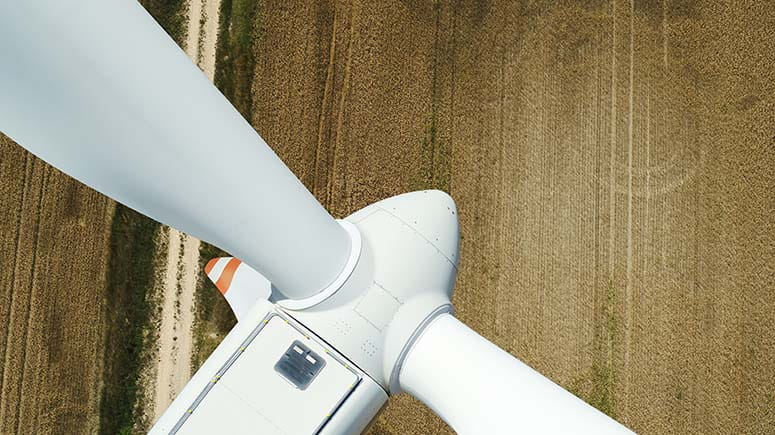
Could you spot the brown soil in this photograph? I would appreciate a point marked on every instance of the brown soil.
(54, 245)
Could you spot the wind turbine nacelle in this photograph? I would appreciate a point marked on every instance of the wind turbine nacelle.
(403, 278)
(399, 276)
(338, 353)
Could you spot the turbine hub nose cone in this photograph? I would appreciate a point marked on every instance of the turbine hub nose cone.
(433, 214)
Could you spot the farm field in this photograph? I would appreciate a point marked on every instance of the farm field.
(613, 164)
(54, 245)
(614, 168)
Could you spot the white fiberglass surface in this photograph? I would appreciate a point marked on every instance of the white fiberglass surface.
(477, 387)
(98, 90)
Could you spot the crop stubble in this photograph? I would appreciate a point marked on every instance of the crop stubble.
(54, 250)
(613, 163)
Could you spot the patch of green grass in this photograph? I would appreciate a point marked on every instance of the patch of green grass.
(239, 28)
(435, 170)
(603, 382)
(130, 281)
(171, 15)
(129, 307)
(214, 318)
(603, 374)
(436, 154)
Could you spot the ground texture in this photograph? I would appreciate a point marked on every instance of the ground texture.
(54, 251)
(614, 166)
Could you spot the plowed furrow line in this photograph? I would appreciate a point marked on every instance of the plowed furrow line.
(28, 308)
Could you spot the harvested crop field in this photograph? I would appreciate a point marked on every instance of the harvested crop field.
(54, 246)
(613, 165)
(73, 307)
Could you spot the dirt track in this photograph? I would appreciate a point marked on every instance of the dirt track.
(171, 369)
(614, 166)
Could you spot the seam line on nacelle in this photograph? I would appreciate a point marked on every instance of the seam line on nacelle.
(419, 234)
(388, 292)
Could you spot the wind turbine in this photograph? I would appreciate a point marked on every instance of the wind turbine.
(333, 315)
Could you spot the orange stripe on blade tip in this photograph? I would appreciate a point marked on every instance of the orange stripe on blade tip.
(210, 265)
(227, 275)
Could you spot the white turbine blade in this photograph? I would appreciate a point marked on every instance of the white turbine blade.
(477, 388)
(97, 89)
